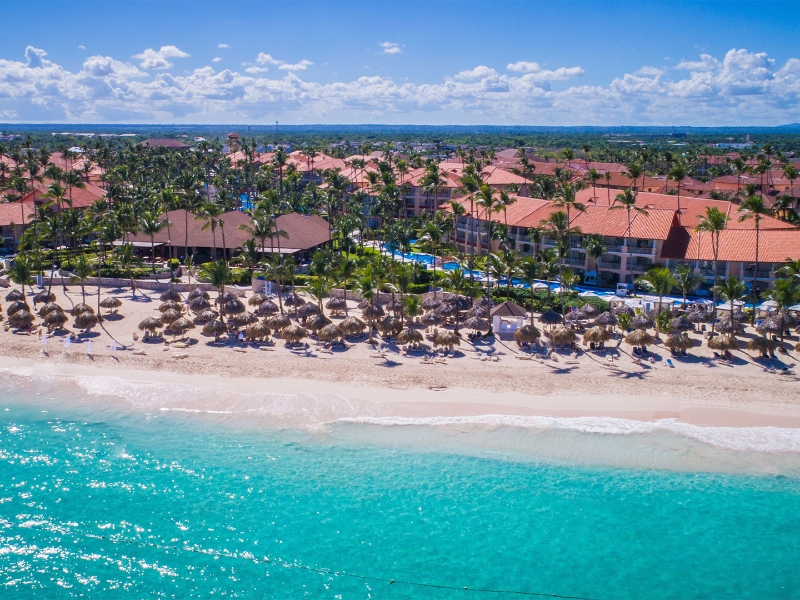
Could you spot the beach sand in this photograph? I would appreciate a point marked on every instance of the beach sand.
(697, 390)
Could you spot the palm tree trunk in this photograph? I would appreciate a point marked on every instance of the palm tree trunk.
(755, 276)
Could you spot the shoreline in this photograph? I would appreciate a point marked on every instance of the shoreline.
(424, 404)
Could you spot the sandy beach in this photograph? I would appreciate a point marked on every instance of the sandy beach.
(697, 390)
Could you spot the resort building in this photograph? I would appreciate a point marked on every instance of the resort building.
(662, 235)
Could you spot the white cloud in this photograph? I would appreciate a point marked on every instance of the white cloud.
(216, 59)
(391, 48)
(81, 47)
(300, 66)
(743, 88)
(223, 46)
(266, 59)
(157, 59)
(478, 72)
(537, 73)
(706, 63)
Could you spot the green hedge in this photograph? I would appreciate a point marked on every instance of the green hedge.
(541, 302)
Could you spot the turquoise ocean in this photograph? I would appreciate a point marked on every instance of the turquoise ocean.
(104, 493)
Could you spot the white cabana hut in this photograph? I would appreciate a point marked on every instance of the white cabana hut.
(507, 317)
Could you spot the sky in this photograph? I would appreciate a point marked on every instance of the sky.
(410, 62)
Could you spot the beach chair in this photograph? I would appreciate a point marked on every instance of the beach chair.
(670, 363)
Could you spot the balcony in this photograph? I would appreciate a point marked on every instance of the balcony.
(640, 267)
(615, 249)
(613, 266)
(575, 262)
(762, 274)
(646, 250)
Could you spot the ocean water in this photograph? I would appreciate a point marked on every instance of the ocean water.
(112, 489)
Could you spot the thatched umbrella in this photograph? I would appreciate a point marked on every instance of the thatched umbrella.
(373, 311)
(723, 342)
(293, 333)
(243, 319)
(86, 320)
(485, 301)
(797, 347)
(257, 298)
(16, 306)
(395, 305)
(431, 303)
(205, 316)
(590, 310)
(777, 323)
(110, 303)
(226, 297)
(257, 331)
(48, 308)
(527, 333)
(681, 324)
(623, 309)
(215, 328)
(639, 337)
(409, 335)
(317, 322)
(81, 308)
(678, 341)
(699, 316)
(234, 307)
(762, 344)
(330, 332)
(171, 294)
(446, 338)
(198, 293)
(44, 297)
(15, 296)
(431, 318)
(293, 300)
(308, 309)
(479, 310)
(653, 314)
(605, 319)
(597, 335)
(550, 317)
(352, 326)
(268, 307)
(199, 305)
(169, 305)
(55, 318)
(336, 304)
(364, 304)
(278, 322)
(563, 335)
(150, 324)
(476, 324)
(574, 316)
(726, 325)
(21, 318)
(642, 322)
(181, 325)
(447, 309)
(389, 326)
(170, 316)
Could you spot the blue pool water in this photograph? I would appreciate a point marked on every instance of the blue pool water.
(99, 498)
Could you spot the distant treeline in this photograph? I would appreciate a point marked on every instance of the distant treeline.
(604, 141)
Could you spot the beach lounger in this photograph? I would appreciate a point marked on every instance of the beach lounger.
(670, 363)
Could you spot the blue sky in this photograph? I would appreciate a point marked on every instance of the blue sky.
(532, 63)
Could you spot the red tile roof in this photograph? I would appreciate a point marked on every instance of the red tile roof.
(775, 245)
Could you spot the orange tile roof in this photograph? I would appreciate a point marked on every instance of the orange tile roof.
(775, 245)
(12, 212)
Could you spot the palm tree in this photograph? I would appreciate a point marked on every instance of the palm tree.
(345, 271)
(80, 273)
(678, 173)
(367, 284)
(658, 280)
(714, 222)
(565, 197)
(151, 224)
(126, 255)
(785, 292)
(505, 202)
(791, 269)
(686, 280)
(732, 290)
(459, 284)
(634, 171)
(21, 271)
(627, 201)
(753, 207)
(219, 275)
(319, 289)
(791, 173)
(593, 244)
(557, 226)
(188, 182)
(431, 232)
(529, 270)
